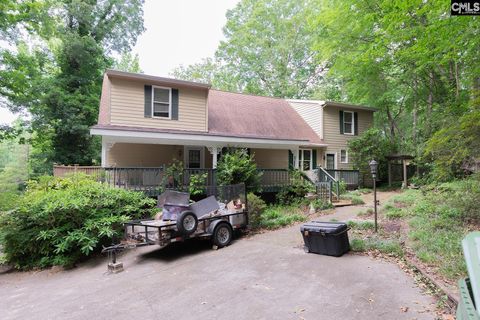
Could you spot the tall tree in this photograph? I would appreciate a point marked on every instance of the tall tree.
(128, 62)
(267, 51)
(408, 58)
(64, 96)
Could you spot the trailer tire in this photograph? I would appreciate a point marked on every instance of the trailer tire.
(187, 222)
(222, 234)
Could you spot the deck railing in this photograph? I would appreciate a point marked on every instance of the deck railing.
(349, 176)
(150, 179)
(210, 179)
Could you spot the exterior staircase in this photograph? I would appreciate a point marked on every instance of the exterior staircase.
(328, 188)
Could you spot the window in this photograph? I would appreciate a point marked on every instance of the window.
(305, 159)
(194, 157)
(161, 102)
(348, 122)
(343, 156)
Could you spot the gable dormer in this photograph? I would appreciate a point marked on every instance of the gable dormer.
(138, 100)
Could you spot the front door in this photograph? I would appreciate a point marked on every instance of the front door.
(330, 162)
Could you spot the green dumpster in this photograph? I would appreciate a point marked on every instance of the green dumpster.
(470, 287)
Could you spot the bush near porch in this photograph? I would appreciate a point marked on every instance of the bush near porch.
(59, 221)
(237, 166)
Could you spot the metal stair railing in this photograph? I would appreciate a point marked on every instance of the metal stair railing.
(324, 176)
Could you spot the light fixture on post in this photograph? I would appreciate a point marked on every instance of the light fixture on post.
(373, 169)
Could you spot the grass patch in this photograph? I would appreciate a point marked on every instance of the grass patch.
(361, 225)
(439, 217)
(365, 214)
(385, 246)
(280, 216)
(365, 190)
(353, 196)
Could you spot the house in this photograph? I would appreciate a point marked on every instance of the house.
(147, 121)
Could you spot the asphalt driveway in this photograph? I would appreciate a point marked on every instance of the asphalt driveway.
(266, 276)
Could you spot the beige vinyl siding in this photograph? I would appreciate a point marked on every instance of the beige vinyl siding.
(270, 158)
(142, 155)
(337, 141)
(311, 112)
(127, 108)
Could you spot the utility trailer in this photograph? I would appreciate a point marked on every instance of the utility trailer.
(215, 217)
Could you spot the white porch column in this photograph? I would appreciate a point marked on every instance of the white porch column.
(296, 158)
(214, 150)
(106, 146)
(104, 153)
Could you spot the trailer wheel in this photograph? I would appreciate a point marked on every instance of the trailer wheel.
(187, 222)
(222, 235)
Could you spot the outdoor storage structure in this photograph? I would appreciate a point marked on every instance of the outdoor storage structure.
(327, 238)
(468, 306)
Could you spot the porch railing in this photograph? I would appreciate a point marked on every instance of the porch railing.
(349, 176)
(150, 179)
(147, 179)
(210, 179)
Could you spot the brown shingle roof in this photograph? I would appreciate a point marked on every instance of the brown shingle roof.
(262, 117)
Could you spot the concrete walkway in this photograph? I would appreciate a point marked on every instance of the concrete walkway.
(266, 276)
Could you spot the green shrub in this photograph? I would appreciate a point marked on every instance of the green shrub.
(342, 187)
(8, 200)
(320, 204)
(173, 177)
(237, 166)
(59, 221)
(294, 193)
(256, 207)
(356, 200)
(197, 184)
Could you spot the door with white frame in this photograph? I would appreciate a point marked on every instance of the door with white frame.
(330, 162)
(194, 157)
(305, 159)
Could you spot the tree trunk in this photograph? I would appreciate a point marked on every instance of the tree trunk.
(391, 123)
(414, 112)
(430, 103)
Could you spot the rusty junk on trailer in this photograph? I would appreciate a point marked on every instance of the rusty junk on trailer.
(223, 210)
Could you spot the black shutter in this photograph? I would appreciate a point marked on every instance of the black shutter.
(148, 101)
(174, 104)
(290, 160)
(341, 122)
(355, 122)
(314, 159)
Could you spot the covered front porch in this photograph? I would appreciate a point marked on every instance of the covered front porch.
(141, 165)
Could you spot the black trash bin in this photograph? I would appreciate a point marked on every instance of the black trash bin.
(327, 238)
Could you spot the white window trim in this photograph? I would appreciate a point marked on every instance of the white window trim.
(300, 158)
(353, 123)
(346, 156)
(169, 102)
(185, 156)
(334, 160)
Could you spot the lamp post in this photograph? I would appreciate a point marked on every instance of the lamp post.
(373, 169)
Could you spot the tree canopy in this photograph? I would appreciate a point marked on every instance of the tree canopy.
(411, 60)
(54, 69)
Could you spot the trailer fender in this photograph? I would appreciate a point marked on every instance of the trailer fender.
(214, 223)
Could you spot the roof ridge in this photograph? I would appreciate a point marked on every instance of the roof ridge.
(249, 94)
